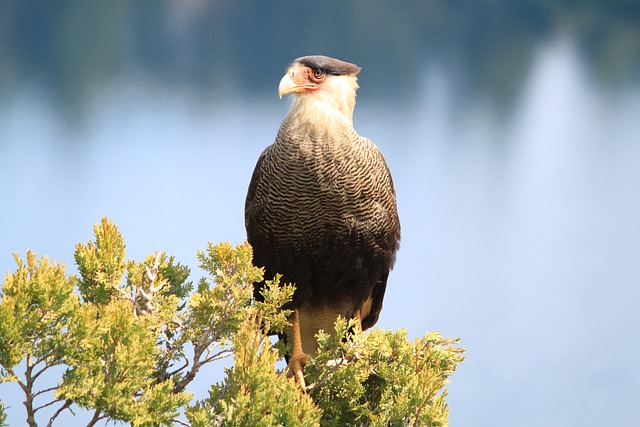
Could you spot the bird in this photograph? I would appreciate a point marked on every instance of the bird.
(321, 209)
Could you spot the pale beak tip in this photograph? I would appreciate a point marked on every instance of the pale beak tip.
(287, 85)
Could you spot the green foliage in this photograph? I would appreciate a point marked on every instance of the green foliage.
(129, 337)
(114, 370)
(3, 416)
(382, 379)
(218, 305)
(254, 393)
(110, 338)
(101, 263)
(37, 304)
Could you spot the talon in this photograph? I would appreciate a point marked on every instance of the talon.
(295, 369)
(298, 358)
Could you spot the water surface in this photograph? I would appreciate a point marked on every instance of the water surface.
(511, 132)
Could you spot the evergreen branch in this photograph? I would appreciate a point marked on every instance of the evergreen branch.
(219, 355)
(47, 366)
(96, 417)
(46, 390)
(55, 415)
(46, 405)
(178, 370)
(119, 350)
(334, 364)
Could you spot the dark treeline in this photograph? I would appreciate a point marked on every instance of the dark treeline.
(72, 46)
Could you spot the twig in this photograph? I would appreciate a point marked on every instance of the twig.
(175, 371)
(124, 294)
(35, 374)
(146, 305)
(38, 393)
(224, 390)
(66, 405)
(96, 417)
(53, 402)
(335, 364)
(219, 355)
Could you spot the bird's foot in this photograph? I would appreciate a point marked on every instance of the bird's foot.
(295, 368)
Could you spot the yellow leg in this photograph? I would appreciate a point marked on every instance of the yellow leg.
(298, 358)
(357, 333)
(358, 316)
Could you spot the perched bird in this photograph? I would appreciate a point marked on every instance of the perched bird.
(321, 208)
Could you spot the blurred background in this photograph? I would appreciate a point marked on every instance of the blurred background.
(512, 130)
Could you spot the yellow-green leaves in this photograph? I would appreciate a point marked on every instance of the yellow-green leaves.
(381, 378)
(113, 367)
(130, 336)
(253, 393)
(37, 303)
(3, 416)
(101, 263)
(116, 339)
(216, 308)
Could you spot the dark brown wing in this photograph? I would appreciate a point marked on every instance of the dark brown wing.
(251, 192)
(251, 213)
(388, 242)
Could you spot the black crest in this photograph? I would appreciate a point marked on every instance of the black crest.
(329, 65)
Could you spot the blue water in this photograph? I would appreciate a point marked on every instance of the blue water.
(520, 225)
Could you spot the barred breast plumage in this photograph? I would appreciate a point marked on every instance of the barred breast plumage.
(321, 211)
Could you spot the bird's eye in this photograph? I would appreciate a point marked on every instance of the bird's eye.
(318, 74)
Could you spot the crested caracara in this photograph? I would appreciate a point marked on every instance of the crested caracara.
(321, 208)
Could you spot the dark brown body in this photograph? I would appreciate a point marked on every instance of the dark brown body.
(321, 210)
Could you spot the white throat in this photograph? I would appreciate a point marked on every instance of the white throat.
(335, 100)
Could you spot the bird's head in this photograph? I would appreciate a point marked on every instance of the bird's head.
(321, 82)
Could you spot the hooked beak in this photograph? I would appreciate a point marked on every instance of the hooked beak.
(289, 85)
